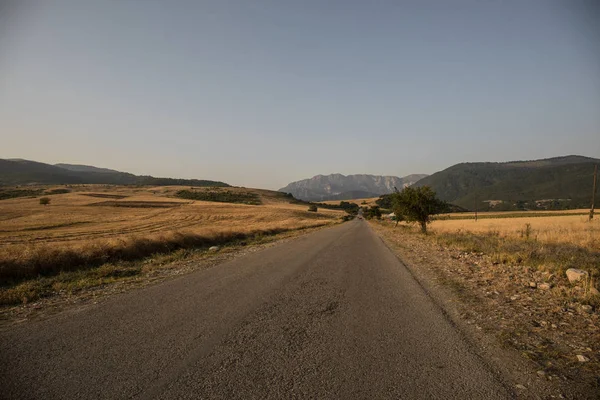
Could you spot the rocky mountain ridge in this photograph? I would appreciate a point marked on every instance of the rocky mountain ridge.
(346, 187)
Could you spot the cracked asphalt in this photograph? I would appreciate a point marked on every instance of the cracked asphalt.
(330, 315)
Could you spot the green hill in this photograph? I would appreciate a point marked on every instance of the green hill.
(25, 172)
(553, 183)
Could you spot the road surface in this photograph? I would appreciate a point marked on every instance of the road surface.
(330, 315)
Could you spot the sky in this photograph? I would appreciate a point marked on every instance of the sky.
(262, 93)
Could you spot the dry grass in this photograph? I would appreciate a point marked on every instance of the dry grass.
(566, 229)
(73, 232)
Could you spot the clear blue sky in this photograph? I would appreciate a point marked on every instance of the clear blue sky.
(262, 93)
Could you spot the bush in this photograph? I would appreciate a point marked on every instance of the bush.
(44, 201)
(312, 208)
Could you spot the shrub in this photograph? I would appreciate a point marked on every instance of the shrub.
(45, 201)
(312, 208)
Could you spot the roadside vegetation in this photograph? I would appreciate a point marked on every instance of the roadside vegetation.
(527, 251)
(551, 242)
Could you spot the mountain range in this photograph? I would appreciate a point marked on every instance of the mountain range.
(346, 187)
(23, 172)
(551, 183)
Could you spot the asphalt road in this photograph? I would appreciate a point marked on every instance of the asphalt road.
(330, 315)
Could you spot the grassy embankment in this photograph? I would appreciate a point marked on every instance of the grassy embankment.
(96, 234)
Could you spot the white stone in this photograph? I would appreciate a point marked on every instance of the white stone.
(581, 358)
(213, 248)
(575, 275)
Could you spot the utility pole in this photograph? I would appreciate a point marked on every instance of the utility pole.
(594, 192)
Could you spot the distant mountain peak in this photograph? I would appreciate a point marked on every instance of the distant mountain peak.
(345, 187)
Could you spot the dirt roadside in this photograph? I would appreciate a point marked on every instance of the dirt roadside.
(532, 334)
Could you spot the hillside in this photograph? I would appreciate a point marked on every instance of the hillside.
(347, 187)
(84, 168)
(25, 172)
(553, 183)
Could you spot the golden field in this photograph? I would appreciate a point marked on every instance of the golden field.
(96, 221)
(569, 227)
(361, 202)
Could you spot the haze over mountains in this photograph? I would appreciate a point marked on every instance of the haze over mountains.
(23, 172)
(346, 187)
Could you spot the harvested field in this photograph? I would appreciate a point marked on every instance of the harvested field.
(76, 231)
(138, 204)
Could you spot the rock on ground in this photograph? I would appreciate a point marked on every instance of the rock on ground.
(575, 275)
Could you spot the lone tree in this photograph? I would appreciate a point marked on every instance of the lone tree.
(45, 201)
(417, 205)
(312, 208)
